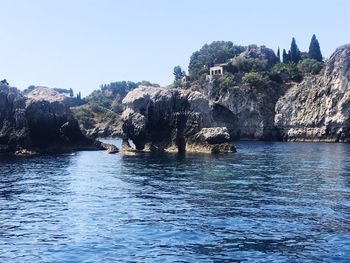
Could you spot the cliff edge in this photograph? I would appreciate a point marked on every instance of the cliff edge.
(318, 109)
(172, 120)
(39, 122)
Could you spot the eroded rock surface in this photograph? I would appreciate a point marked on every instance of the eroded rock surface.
(39, 122)
(318, 109)
(159, 119)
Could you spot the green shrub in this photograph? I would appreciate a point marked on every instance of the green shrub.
(226, 81)
(310, 66)
(283, 72)
(247, 65)
(255, 79)
(214, 53)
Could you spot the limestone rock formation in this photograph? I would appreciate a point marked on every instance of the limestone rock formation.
(248, 112)
(261, 53)
(40, 122)
(213, 140)
(318, 109)
(159, 119)
(13, 122)
(97, 121)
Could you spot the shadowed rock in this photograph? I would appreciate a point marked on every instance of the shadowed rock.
(39, 123)
(157, 119)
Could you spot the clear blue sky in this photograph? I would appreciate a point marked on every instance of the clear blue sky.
(81, 44)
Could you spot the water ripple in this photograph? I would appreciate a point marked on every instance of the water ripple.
(270, 202)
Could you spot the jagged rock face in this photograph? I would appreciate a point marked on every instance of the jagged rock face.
(13, 123)
(318, 109)
(253, 111)
(213, 140)
(158, 119)
(247, 112)
(39, 122)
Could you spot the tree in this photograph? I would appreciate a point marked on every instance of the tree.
(215, 53)
(71, 93)
(285, 72)
(314, 49)
(310, 66)
(255, 79)
(279, 54)
(285, 57)
(295, 55)
(178, 73)
(79, 96)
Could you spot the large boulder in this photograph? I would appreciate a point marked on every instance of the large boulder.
(159, 119)
(262, 53)
(213, 140)
(318, 109)
(39, 122)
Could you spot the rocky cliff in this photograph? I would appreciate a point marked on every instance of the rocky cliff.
(39, 122)
(100, 115)
(160, 119)
(318, 109)
(248, 112)
(244, 100)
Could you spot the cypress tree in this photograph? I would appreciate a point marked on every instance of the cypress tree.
(285, 57)
(279, 54)
(295, 54)
(314, 49)
(178, 73)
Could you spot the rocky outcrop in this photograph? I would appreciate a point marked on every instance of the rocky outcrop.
(13, 122)
(100, 115)
(108, 129)
(262, 53)
(39, 122)
(98, 122)
(246, 110)
(249, 111)
(159, 119)
(318, 109)
(213, 140)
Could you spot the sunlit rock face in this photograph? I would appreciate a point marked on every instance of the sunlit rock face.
(318, 109)
(38, 122)
(160, 119)
(247, 111)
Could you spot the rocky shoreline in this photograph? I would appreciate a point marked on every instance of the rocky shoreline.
(200, 117)
(40, 123)
(172, 120)
(314, 110)
(318, 109)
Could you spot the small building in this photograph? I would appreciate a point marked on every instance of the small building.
(216, 70)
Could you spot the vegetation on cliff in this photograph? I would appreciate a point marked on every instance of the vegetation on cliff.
(252, 75)
(100, 115)
(255, 65)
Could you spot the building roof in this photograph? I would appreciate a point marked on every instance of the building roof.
(220, 65)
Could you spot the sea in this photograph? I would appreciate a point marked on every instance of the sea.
(269, 202)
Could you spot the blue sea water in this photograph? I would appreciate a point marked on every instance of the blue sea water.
(269, 202)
